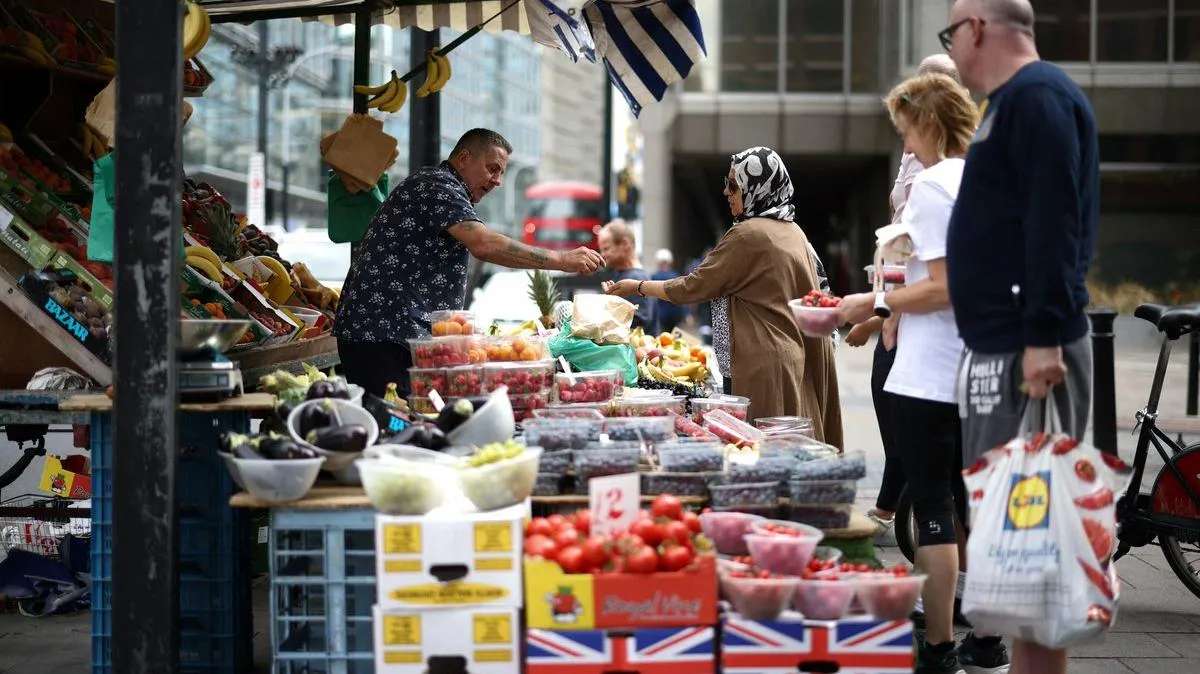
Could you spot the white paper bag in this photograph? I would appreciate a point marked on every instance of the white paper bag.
(604, 319)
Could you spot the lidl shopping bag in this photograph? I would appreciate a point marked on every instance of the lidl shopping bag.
(100, 227)
(1042, 537)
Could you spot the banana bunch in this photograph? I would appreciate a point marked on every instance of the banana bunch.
(437, 73)
(279, 287)
(205, 261)
(387, 97)
(683, 374)
(33, 49)
(93, 146)
(526, 328)
(106, 66)
(196, 29)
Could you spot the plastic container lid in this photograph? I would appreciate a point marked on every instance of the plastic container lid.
(730, 429)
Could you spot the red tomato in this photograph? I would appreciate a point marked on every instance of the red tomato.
(678, 532)
(566, 537)
(675, 558)
(557, 521)
(539, 525)
(648, 531)
(666, 505)
(692, 520)
(643, 560)
(583, 522)
(571, 559)
(538, 545)
(594, 552)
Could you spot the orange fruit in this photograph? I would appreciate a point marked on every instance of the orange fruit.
(506, 352)
(467, 328)
(439, 329)
(453, 328)
(459, 318)
(665, 339)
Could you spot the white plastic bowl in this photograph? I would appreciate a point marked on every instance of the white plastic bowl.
(503, 483)
(336, 462)
(814, 321)
(404, 480)
(274, 481)
(494, 422)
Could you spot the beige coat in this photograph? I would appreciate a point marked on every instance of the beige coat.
(760, 264)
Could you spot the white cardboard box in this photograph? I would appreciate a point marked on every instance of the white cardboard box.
(487, 638)
(450, 559)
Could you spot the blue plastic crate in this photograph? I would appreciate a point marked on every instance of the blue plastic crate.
(322, 591)
(215, 618)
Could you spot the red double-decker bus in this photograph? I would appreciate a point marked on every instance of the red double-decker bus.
(564, 214)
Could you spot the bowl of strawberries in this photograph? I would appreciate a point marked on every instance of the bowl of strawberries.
(757, 594)
(816, 313)
(889, 594)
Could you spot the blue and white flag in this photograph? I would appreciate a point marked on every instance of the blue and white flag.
(647, 45)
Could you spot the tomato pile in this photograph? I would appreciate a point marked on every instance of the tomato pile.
(664, 538)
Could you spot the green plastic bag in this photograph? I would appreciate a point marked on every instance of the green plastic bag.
(348, 215)
(584, 355)
(100, 229)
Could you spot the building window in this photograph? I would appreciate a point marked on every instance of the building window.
(750, 45)
(815, 39)
(1150, 149)
(1063, 30)
(868, 40)
(1187, 30)
(1131, 31)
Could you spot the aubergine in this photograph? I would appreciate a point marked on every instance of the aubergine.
(339, 389)
(408, 436)
(246, 451)
(313, 417)
(321, 389)
(274, 446)
(437, 439)
(226, 441)
(349, 438)
(454, 415)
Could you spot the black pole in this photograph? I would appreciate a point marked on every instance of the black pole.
(286, 170)
(424, 114)
(1104, 381)
(362, 56)
(1193, 382)
(606, 152)
(264, 102)
(145, 543)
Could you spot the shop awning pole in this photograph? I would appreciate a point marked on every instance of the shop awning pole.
(424, 114)
(145, 450)
(362, 57)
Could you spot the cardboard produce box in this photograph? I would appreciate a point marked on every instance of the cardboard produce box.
(791, 644)
(483, 640)
(560, 601)
(652, 650)
(450, 559)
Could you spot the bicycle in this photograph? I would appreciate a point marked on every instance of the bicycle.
(1170, 512)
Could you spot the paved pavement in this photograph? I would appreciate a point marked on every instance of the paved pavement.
(1157, 630)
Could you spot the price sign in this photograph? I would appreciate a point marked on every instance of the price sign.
(436, 399)
(614, 502)
(5, 218)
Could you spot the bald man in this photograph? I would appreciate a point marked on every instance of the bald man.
(1021, 239)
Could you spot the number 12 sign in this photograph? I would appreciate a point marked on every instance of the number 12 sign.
(614, 501)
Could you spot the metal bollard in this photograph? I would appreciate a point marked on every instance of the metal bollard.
(1104, 381)
(1193, 374)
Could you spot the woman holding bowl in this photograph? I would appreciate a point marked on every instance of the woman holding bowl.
(761, 263)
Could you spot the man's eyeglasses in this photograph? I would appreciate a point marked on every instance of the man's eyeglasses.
(946, 37)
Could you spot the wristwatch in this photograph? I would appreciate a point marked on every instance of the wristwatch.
(882, 309)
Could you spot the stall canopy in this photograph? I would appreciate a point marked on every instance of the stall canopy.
(646, 45)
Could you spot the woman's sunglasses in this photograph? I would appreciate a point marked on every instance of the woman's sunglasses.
(730, 187)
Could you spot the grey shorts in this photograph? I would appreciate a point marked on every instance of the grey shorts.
(991, 402)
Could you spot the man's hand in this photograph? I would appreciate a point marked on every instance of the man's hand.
(891, 329)
(622, 288)
(1043, 367)
(582, 260)
(856, 308)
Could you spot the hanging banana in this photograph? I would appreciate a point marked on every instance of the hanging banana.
(196, 29)
(387, 97)
(432, 75)
(444, 70)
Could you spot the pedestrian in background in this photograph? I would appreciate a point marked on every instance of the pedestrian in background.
(667, 313)
(1021, 240)
(619, 249)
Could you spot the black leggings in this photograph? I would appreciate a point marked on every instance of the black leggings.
(374, 365)
(893, 469)
(928, 436)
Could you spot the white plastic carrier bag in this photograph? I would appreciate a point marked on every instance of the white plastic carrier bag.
(1043, 531)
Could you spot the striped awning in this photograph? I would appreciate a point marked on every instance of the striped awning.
(426, 16)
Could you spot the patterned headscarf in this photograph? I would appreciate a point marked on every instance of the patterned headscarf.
(765, 184)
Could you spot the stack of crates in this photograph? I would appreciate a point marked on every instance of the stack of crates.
(215, 617)
(322, 591)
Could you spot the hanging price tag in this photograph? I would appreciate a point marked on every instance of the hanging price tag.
(614, 502)
(436, 399)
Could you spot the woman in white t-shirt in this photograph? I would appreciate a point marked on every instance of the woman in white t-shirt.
(937, 118)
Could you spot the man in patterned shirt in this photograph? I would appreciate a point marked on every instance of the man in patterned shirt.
(413, 260)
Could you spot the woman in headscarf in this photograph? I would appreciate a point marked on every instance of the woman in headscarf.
(762, 261)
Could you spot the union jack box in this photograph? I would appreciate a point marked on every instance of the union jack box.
(666, 650)
(854, 645)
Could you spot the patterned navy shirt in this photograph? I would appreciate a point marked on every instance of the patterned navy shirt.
(408, 264)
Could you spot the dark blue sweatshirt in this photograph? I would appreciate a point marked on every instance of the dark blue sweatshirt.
(1024, 225)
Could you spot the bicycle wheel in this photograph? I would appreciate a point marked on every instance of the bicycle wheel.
(1184, 562)
(905, 527)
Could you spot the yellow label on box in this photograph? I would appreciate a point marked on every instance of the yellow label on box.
(493, 655)
(402, 630)
(493, 537)
(493, 628)
(402, 539)
(554, 598)
(402, 657)
(402, 566)
(494, 564)
(450, 594)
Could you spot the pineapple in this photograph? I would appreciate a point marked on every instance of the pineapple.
(544, 293)
(222, 231)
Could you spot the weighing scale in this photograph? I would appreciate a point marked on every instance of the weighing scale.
(205, 374)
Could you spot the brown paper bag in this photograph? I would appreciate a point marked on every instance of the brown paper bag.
(361, 149)
(101, 113)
